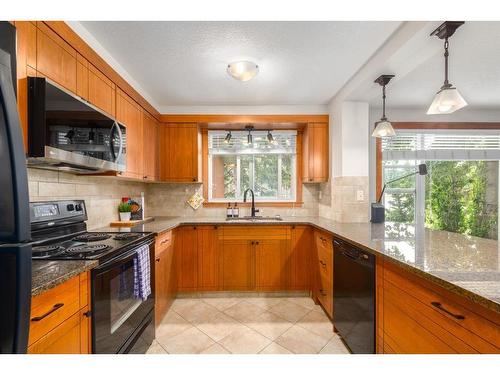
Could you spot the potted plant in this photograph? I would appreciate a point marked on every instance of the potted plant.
(124, 209)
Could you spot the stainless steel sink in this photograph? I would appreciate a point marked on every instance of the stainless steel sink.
(256, 218)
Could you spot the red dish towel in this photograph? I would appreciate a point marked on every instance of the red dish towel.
(142, 273)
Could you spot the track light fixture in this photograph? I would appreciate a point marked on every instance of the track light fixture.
(228, 137)
(270, 138)
(249, 128)
(447, 99)
(384, 127)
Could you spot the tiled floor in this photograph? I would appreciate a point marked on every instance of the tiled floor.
(264, 325)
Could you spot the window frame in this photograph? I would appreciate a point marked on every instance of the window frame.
(260, 203)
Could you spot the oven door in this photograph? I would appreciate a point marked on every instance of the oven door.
(117, 314)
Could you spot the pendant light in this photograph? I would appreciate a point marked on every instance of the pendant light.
(447, 99)
(270, 138)
(249, 136)
(384, 127)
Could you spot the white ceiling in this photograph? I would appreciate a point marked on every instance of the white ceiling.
(474, 69)
(184, 63)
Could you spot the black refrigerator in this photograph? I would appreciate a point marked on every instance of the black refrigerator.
(15, 251)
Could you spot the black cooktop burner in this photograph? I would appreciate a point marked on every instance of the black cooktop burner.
(43, 251)
(126, 236)
(87, 249)
(90, 237)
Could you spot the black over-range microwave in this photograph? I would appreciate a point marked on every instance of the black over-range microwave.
(67, 133)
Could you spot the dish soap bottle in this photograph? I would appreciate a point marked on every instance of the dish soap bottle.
(236, 210)
(229, 210)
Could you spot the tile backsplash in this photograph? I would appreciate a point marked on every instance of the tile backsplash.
(101, 194)
(340, 201)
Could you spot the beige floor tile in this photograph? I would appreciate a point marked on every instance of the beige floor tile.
(289, 311)
(171, 325)
(306, 302)
(243, 310)
(274, 348)
(191, 341)
(215, 349)
(300, 341)
(197, 312)
(182, 303)
(222, 304)
(318, 323)
(268, 324)
(156, 348)
(264, 302)
(334, 346)
(219, 326)
(245, 341)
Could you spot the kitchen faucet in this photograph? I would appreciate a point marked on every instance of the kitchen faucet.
(254, 210)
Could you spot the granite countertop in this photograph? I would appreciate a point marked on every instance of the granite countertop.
(47, 274)
(467, 265)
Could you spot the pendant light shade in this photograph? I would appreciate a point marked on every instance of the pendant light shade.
(447, 99)
(384, 127)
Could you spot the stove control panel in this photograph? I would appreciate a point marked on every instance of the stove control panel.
(57, 212)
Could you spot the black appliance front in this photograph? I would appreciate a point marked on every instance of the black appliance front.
(66, 133)
(354, 297)
(117, 314)
(15, 257)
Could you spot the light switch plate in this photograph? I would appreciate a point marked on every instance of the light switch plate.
(360, 195)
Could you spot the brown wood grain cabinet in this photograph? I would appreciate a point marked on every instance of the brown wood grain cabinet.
(165, 283)
(101, 91)
(419, 317)
(55, 59)
(315, 153)
(300, 257)
(323, 270)
(208, 257)
(82, 77)
(238, 264)
(60, 319)
(150, 147)
(180, 152)
(186, 248)
(130, 115)
(271, 267)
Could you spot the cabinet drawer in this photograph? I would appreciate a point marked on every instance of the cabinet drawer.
(325, 294)
(163, 241)
(325, 263)
(438, 309)
(51, 308)
(323, 241)
(261, 232)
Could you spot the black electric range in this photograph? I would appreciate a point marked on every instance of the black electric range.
(122, 322)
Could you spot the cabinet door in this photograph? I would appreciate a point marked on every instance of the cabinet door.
(301, 251)
(208, 258)
(238, 265)
(129, 114)
(160, 283)
(315, 153)
(82, 77)
(64, 339)
(184, 153)
(101, 91)
(271, 266)
(187, 258)
(163, 145)
(149, 146)
(55, 58)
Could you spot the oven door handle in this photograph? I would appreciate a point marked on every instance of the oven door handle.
(113, 262)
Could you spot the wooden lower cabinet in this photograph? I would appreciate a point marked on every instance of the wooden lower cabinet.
(208, 257)
(323, 270)
(416, 316)
(238, 264)
(165, 277)
(60, 319)
(271, 264)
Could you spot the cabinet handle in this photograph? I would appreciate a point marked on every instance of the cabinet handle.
(322, 263)
(163, 242)
(439, 306)
(194, 228)
(252, 243)
(194, 179)
(256, 242)
(310, 179)
(322, 292)
(216, 227)
(87, 314)
(158, 259)
(56, 307)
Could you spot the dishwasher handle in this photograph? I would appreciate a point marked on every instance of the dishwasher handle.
(354, 253)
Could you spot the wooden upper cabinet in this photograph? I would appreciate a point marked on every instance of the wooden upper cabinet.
(129, 114)
(208, 257)
(101, 91)
(315, 153)
(82, 77)
(186, 248)
(150, 146)
(55, 59)
(180, 152)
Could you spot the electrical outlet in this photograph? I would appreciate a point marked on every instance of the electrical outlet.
(360, 195)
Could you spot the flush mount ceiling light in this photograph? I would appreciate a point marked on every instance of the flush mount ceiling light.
(384, 127)
(242, 70)
(228, 137)
(447, 99)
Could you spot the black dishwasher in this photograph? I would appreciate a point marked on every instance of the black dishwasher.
(354, 296)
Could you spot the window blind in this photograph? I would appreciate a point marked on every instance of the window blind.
(284, 142)
(443, 145)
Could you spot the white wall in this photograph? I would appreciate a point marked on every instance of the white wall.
(247, 109)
